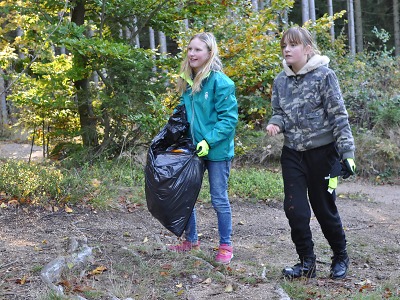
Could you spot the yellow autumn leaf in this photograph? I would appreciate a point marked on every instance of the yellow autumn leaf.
(68, 209)
(98, 270)
(229, 288)
(96, 182)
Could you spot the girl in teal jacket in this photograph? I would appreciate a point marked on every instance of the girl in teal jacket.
(211, 107)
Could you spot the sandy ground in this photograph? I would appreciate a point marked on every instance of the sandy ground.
(134, 242)
(20, 151)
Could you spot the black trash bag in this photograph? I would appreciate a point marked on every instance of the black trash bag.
(173, 176)
(174, 130)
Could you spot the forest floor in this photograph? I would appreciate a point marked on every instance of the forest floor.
(128, 258)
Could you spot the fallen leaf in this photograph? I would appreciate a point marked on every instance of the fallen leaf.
(197, 263)
(96, 182)
(81, 288)
(207, 281)
(13, 202)
(22, 280)
(145, 240)
(229, 288)
(68, 209)
(98, 270)
(3, 205)
(166, 267)
(179, 285)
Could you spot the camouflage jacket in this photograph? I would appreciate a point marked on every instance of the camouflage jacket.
(309, 109)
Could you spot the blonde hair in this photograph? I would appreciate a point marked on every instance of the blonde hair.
(212, 64)
(299, 35)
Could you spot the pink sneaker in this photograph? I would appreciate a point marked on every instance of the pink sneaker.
(185, 246)
(225, 254)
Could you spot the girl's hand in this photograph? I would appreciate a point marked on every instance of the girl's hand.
(272, 129)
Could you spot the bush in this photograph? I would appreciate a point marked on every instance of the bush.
(31, 183)
(377, 157)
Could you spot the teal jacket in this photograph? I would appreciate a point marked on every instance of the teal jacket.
(213, 115)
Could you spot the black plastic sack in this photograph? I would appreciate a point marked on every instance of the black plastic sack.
(173, 175)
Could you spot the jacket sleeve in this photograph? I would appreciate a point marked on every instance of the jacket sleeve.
(227, 111)
(277, 112)
(338, 116)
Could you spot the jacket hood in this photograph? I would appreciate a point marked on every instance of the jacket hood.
(313, 63)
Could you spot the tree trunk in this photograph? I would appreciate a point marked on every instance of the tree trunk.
(330, 12)
(83, 99)
(3, 104)
(311, 6)
(137, 40)
(351, 31)
(359, 27)
(396, 27)
(163, 42)
(254, 5)
(305, 12)
(20, 32)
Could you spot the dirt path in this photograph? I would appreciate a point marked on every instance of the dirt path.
(20, 151)
(131, 246)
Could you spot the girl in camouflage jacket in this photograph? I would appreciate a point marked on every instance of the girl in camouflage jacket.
(309, 110)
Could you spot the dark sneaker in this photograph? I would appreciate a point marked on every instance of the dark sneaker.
(339, 266)
(306, 268)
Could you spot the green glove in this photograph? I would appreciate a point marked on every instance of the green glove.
(202, 148)
(332, 184)
(348, 168)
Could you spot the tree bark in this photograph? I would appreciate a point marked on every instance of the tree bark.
(3, 103)
(163, 42)
(311, 6)
(359, 26)
(83, 99)
(396, 22)
(305, 12)
(330, 12)
(351, 31)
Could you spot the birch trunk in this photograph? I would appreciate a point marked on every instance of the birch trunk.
(396, 24)
(359, 26)
(305, 11)
(351, 31)
(311, 7)
(3, 104)
(330, 12)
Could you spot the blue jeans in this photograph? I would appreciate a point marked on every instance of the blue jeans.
(218, 175)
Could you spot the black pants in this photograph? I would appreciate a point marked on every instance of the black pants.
(305, 174)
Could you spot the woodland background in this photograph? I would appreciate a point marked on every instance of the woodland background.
(95, 80)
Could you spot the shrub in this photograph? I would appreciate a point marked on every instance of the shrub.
(377, 157)
(32, 183)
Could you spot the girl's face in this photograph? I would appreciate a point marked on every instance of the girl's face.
(198, 54)
(296, 55)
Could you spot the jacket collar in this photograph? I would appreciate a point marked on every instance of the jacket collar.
(313, 63)
(190, 80)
